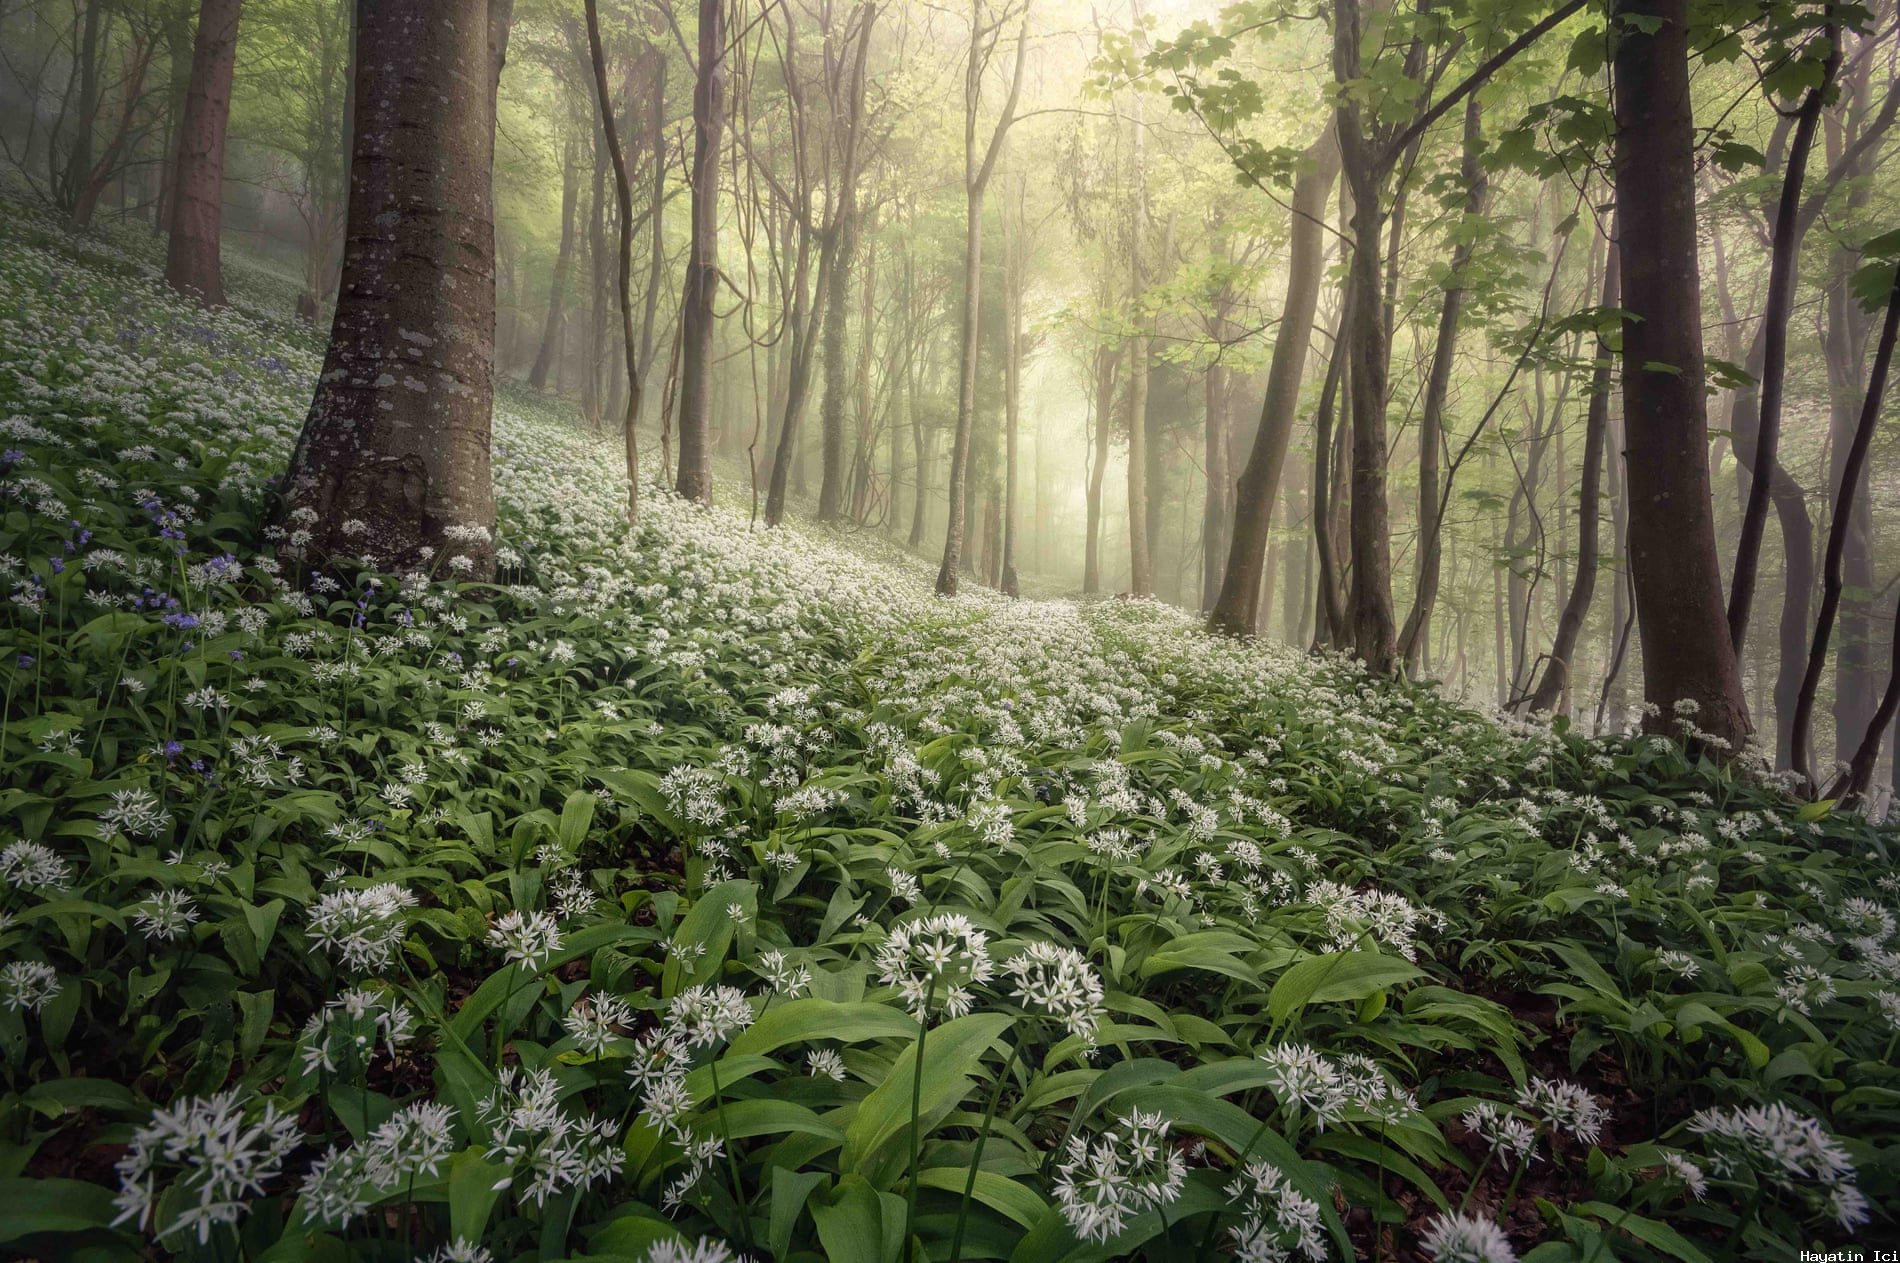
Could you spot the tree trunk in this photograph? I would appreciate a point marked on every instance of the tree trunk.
(1141, 578)
(1687, 655)
(555, 326)
(1015, 275)
(1214, 518)
(976, 179)
(1431, 429)
(1784, 255)
(191, 258)
(1259, 484)
(393, 460)
(1557, 680)
(1834, 578)
(1103, 403)
(623, 271)
(702, 260)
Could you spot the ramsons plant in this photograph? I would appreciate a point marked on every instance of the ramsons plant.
(701, 891)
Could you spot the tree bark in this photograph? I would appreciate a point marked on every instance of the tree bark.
(1556, 683)
(1373, 627)
(1784, 254)
(702, 259)
(1104, 404)
(555, 326)
(393, 460)
(191, 257)
(1833, 579)
(1431, 429)
(1687, 655)
(623, 271)
(1259, 484)
(976, 178)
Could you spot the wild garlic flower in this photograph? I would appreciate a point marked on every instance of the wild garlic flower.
(1059, 982)
(1300, 1076)
(706, 1251)
(415, 1143)
(1103, 1182)
(904, 886)
(825, 1062)
(934, 962)
(783, 977)
(596, 1021)
(1276, 1220)
(1566, 1108)
(135, 813)
(461, 1250)
(529, 940)
(346, 1031)
(1457, 1238)
(28, 984)
(165, 914)
(1788, 1150)
(1512, 1137)
(210, 1155)
(708, 1016)
(362, 926)
(32, 867)
(547, 1149)
(1688, 1174)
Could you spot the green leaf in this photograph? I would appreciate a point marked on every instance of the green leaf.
(851, 1222)
(807, 1019)
(472, 1192)
(33, 1206)
(1000, 1193)
(951, 1054)
(1336, 976)
(1649, 1231)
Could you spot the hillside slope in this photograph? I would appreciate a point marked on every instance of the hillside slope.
(594, 910)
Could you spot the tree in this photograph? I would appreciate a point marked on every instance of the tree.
(393, 460)
(623, 272)
(702, 259)
(1689, 663)
(1237, 608)
(978, 166)
(191, 259)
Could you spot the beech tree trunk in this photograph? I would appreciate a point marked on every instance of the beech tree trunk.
(1141, 576)
(702, 260)
(976, 179)
(1431, 428)
(1554, 688)
(1103, 404)
(1834, 578)
(1687, 654)
(623, 271)
(555, 326)
(393, 460)
(191, 257)
(1258, 488)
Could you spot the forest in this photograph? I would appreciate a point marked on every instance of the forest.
(906, 631)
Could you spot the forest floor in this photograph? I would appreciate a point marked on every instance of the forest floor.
(1217, 944)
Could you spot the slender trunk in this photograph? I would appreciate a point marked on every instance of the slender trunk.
(1557, 680)
(623, 270)
(393, 460)
(702, 259)
(1688, 659)
(1833, 579)
(1103, 403)
(1214, 517)
(1431, 430)
(191, 259)
(554, 327)
(1014, 275)
(1141, 578)
(1784, 254)
(1259, 484)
